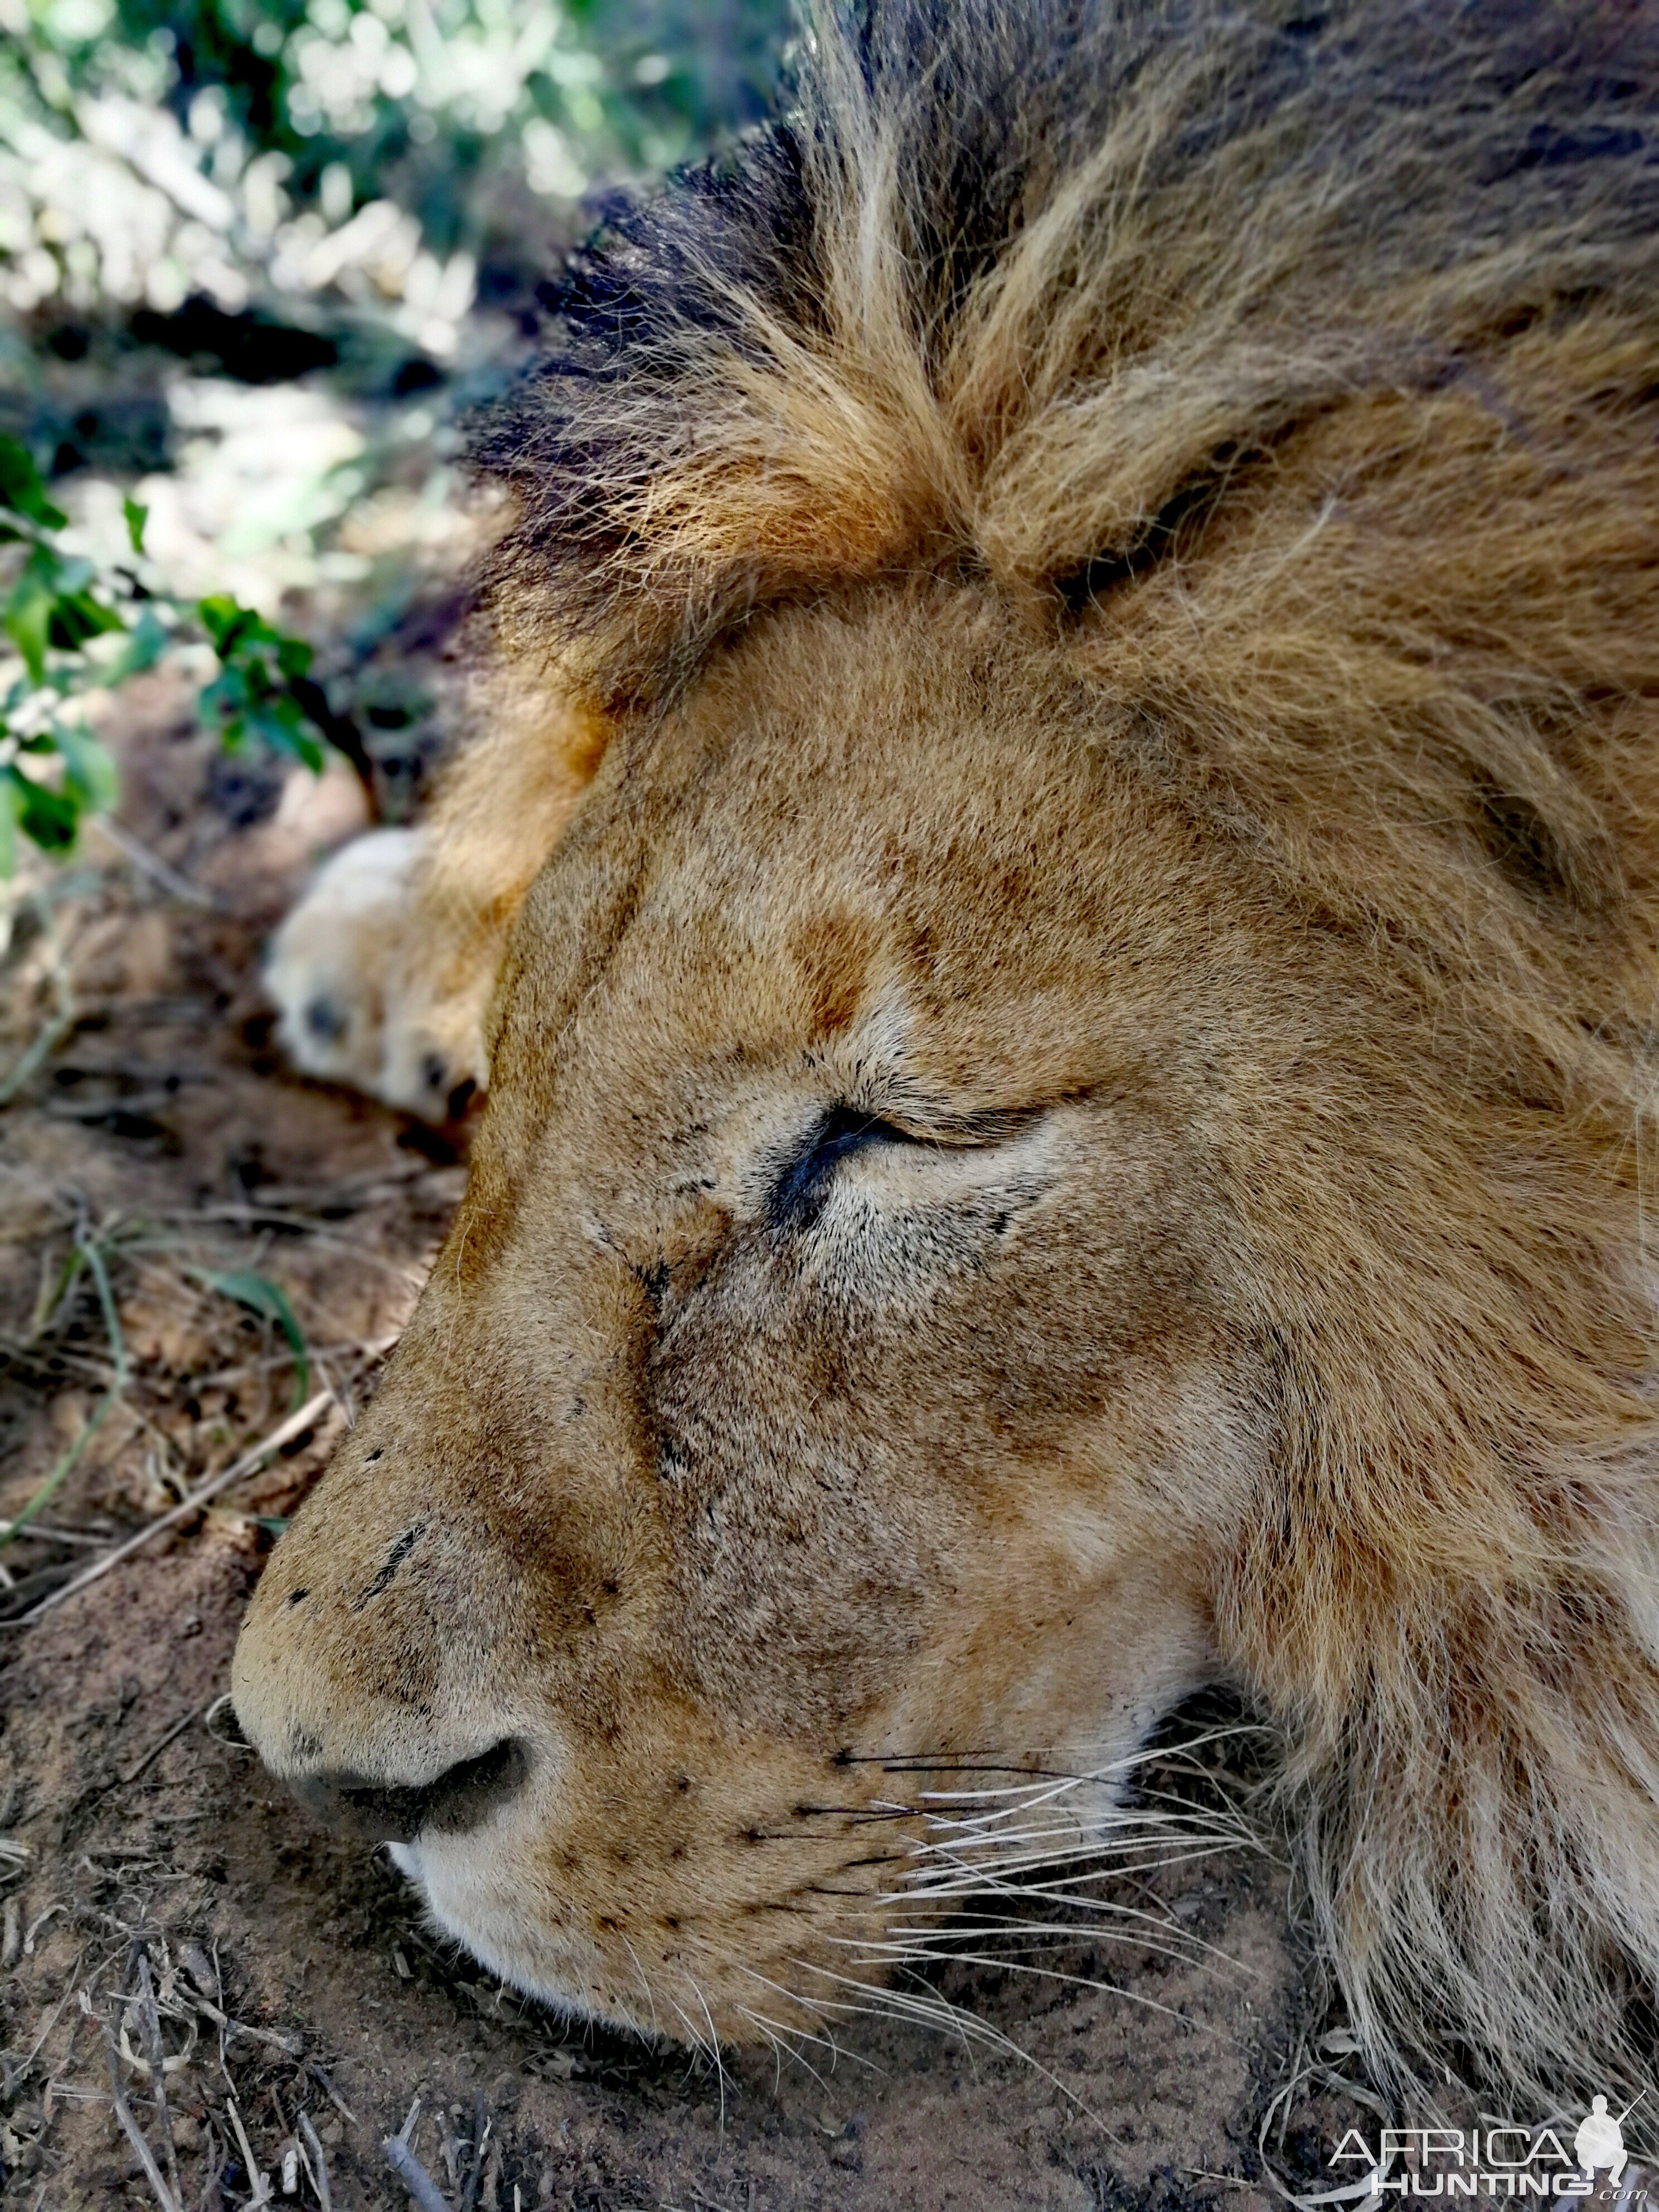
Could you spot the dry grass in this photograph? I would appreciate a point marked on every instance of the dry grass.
(183, 1253)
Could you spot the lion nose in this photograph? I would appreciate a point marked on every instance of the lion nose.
(395, 1813)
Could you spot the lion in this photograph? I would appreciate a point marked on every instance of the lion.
(1059, 917)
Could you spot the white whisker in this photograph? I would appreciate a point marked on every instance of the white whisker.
(935, 2011)
(776, 2035)
(644, 1983)
(1056, 1974)
(714, 2040)
(795, 1996)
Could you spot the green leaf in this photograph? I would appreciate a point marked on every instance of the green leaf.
(269, 1300)
(22, 490)
(27, 619)
(137, 517)
(216, 613)
(282, 726)
(231, 626)
(293, 656)
(77, 616)
(49, 817)
(89, 771)
(224, 699)
(70, 572)
(146, 642)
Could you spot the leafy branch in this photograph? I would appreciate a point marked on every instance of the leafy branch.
(58, 611)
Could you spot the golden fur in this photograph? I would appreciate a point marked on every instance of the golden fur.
(1124, 654)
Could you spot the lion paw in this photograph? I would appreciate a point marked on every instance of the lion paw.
(353, 971)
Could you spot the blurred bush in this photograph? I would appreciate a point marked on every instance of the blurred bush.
(403, 156)
(255, 256)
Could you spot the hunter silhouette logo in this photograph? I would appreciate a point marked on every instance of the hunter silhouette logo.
(1599, 2145)
(1493, 2161)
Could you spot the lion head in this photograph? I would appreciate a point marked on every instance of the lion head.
(1066, 1119)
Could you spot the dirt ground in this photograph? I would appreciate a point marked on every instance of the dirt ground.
(161, 1900)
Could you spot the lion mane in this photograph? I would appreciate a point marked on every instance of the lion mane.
(1291, 371)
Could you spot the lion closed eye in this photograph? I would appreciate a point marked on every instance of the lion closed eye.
(1067, 1115)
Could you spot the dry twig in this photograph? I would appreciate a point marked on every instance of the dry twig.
(135, 2134)
(412, 2174)
(153, 865)
(152, 2025)
(295, 1425)
(480, 2150)
(158, 1747)
(316, 2163)
(285, 2043)
(259, 2181)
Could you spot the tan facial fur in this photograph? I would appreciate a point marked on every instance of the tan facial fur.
(1069, 1116)
(739, 1456)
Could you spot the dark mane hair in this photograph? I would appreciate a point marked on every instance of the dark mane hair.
(861, 338)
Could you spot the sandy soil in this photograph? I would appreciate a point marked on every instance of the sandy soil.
(161, 1899)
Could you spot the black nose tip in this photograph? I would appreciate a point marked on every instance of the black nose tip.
(388, 1813)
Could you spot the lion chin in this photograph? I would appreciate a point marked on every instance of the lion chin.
(446, 1877)
(1056, 899)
